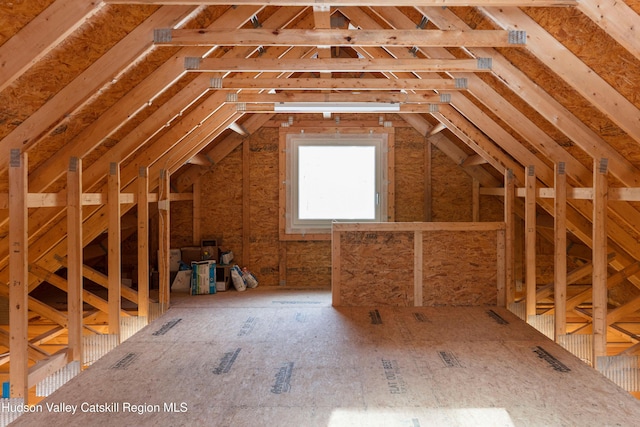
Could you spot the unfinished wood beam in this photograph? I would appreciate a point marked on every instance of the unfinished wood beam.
(164, 233)
(418, 265)
(323, 36)
(74, 258)
(378, 96)
(342, 65)
(322, 21)
(560, 250)
(474, 160)
(200, 159)
(545, 3)
(237, 128)
(599, 281)
(475, 200)
(18, 276)
(197, 212)
(143, 242)
(530, 240)
(246, 201)
(342, 84)
(45, 368)
(439, 127)
(509, 219)
(114, 259)
(428, 188)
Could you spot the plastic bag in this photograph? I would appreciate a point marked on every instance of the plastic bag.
(236, 278)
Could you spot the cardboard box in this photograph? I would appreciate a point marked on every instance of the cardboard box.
(209, 252)
(191, 254)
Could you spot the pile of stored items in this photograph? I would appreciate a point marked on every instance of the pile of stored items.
(208, 269)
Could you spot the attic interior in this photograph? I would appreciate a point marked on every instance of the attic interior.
(514, 118)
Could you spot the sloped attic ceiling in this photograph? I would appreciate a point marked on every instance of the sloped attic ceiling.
(148, 83)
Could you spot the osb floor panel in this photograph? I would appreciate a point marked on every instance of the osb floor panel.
(287, 358)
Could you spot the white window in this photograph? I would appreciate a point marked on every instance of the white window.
(335, 178)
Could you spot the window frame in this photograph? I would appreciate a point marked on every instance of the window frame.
(382, 138)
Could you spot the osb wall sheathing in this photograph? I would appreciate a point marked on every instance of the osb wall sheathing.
(376, 268)
(410, 182)
(451, 190)
(308, 263)
(459, 268)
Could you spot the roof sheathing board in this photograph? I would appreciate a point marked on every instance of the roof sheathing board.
(50, 75)
(15, 15)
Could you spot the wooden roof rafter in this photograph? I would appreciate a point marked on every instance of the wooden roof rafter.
(545, 104)
(128, 146)
(524, 156)
(571, 69)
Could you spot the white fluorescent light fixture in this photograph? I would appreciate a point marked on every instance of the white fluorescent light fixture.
(336, 107)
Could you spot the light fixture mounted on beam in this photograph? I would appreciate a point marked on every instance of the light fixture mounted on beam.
(336, 107)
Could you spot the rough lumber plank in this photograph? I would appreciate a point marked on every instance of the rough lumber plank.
(74, 258)
(334, 65)
(428, 188)
(336, 37)
(530, 240)
(44, 368)
(19, 276)
(560, 250)
(143, 242)
(336, 267)
(246, 202)
(343, 84)
(418, 241)
(293, 96)
(164, 232)
(599, 281)
(546, 3)
(509, 219)
(114, 247)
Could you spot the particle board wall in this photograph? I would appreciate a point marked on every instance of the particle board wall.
(376, 268)
(307, 263)
(416, 264)
(459, 268)
(451, 190)
(409, 152)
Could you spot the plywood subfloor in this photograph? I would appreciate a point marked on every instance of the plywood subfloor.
(287, 358)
